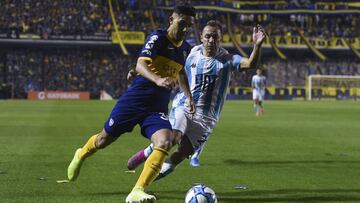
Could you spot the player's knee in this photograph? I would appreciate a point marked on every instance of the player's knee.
(164, 144)
(163, 139)
(103, 140)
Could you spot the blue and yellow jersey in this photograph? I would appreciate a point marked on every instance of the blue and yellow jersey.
(167, 59)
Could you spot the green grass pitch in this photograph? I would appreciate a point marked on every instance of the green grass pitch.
(298, 152)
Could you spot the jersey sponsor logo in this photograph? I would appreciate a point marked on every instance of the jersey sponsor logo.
(154, 38)
(148, 52)
(149, 45)
(111, 122)
(164, 117)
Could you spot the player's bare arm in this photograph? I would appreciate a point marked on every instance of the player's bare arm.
(258, 38)
(142, 69)
(184, 85)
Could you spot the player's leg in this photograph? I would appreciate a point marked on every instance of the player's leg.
(178, 121)
(256, 102)
(121, 120)
(261, 99)
(141, 156)
(162, 140)
(262, 110)
(194, 160)
(197, 132)
(184, 150)
(257, 107)
(157, 127)
(95, 142)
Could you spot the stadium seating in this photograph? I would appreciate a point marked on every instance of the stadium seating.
(25, 68)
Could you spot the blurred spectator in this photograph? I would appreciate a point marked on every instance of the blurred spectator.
(295, 71)
(90, 17)
(68, 70)
(25, 69)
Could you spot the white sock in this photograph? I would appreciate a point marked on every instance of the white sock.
(148, 150)
(166, 166)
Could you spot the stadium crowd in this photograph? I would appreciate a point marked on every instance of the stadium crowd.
(24, 69)
(96, 70)
(68, 70)
(55, 17)
(294, 72)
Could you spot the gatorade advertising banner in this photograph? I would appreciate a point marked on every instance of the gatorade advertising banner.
(58, 95)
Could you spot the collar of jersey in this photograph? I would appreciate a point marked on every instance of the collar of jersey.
(177, 45)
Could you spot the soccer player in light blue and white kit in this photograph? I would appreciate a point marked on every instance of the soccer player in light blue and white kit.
(208, 69)
(258, 83)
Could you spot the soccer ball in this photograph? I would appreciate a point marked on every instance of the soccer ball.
(200, 194)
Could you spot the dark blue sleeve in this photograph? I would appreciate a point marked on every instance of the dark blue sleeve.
(151, 46)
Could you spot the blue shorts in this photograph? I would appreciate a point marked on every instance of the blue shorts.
(124, 117)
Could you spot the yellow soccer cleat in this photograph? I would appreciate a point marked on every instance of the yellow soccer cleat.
(138, 195)
(75, 165)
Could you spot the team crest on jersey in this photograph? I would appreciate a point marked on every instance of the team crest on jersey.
(111, 122)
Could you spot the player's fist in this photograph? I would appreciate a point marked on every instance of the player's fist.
(191, 106)
(258, 36)
(166, 82)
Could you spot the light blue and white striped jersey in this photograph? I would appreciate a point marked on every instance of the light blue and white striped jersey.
(208, 80)
(258, 82)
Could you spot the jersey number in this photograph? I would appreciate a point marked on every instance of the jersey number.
(206, 82)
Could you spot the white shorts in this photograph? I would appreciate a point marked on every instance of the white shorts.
(258, 94)
(195, 127)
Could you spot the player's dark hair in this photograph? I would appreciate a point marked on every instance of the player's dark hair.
(185, 9)
(214, 23)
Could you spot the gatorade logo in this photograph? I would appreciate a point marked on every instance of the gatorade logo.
(41, 95)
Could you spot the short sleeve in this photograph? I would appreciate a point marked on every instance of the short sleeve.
(151, 47)
(235, 62)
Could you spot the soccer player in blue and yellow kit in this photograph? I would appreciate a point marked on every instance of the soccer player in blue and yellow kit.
(160, 65)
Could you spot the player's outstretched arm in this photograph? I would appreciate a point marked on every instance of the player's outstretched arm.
(184, 85)
(142, 69)
(258, 38)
